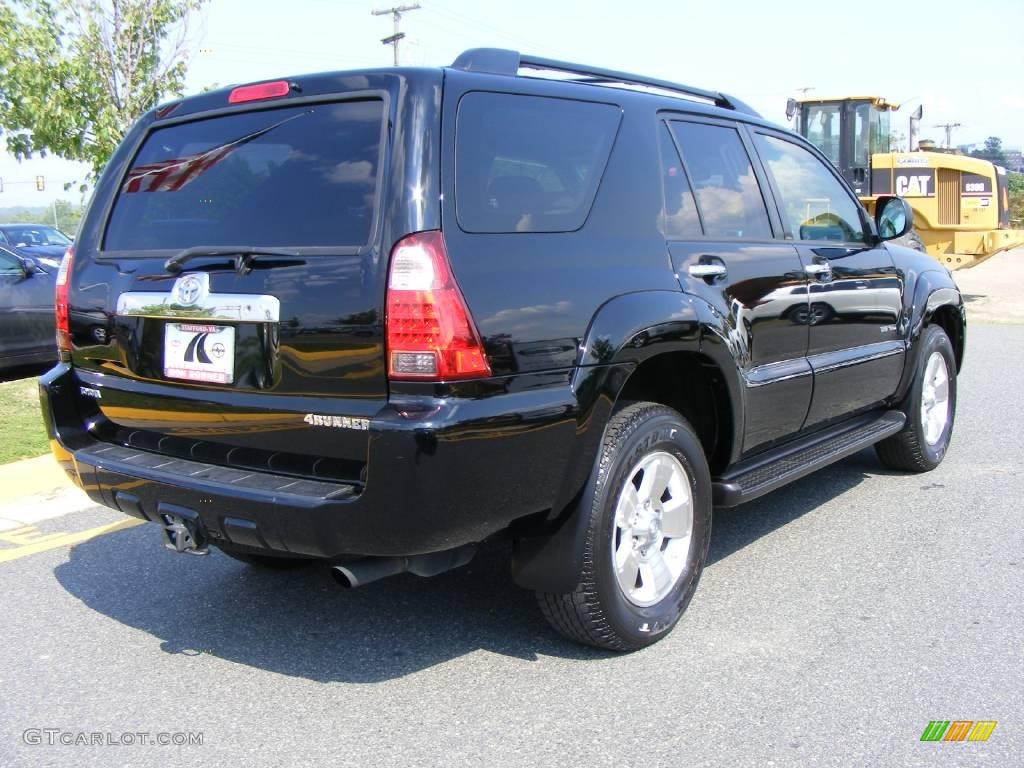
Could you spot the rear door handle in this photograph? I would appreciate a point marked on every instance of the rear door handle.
(707, 270)
(819, 270)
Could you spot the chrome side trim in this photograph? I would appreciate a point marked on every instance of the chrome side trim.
(773, 373)
(825, 362)
(232, 307)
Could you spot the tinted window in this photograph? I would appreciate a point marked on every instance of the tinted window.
(814, 204)
(681, 220)
(728, 196)
(299, 176)
(529, 164)
(35, 235)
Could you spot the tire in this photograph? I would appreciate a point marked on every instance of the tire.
(265, 561)
(922, 443)
(912, 240)
(642, 440)
(819, 313)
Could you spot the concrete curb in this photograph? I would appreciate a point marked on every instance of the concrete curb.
(33, 490)
(29, 477)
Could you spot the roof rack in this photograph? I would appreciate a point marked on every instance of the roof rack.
(500, 61)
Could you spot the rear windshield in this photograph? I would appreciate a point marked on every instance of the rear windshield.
(298, 176)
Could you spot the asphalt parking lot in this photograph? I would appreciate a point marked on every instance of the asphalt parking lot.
(837, 617)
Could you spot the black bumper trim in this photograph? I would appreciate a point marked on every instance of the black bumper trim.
(157, 466)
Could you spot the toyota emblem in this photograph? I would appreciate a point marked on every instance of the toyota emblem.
(188, 290)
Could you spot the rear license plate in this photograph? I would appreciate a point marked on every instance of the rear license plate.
(199, 352)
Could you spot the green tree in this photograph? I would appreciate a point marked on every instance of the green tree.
(75, 74)
(68, 217)
(1016, 189)
(993, 151)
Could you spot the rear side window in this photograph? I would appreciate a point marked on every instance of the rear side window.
(529, 163)
(680, 218)
(728, 196)
(298, 176)
(814, 203)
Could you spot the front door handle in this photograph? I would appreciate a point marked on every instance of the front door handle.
(707, 270)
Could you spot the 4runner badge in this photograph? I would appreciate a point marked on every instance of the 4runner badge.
(341, 422)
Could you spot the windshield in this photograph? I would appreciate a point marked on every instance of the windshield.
(33, 235)
(298, 176)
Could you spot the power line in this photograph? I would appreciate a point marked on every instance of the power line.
(396, 13)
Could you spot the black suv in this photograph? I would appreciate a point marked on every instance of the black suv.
(379, 317)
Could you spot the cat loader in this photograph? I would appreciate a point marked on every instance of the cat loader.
(961, 204)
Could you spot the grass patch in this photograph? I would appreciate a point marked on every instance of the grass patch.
(22, 434)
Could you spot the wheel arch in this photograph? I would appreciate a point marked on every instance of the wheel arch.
(660, 346)
(933, 299)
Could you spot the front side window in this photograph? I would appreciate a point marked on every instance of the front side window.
(815, 205)
(9, 265)
(529, 163)
(728, 196)
(291, 176)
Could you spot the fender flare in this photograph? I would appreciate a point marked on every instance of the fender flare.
(624, 332)
(932, 289)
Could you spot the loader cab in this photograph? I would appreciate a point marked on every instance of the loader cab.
(847, 131)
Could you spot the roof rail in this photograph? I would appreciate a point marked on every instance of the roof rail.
(500, 61)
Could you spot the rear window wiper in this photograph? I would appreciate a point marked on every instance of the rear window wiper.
(242, 255)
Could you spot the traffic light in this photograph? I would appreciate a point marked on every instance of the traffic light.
(40, 183)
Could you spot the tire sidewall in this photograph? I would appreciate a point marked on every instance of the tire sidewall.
(638, 625)
(933, 340)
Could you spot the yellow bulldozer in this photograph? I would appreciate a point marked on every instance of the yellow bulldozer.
(961, 204)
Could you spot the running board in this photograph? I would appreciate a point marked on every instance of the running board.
(762, 474)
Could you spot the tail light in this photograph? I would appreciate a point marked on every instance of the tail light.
(61, 305)
(430, 334)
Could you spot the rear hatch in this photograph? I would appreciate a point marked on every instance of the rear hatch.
(232, 312)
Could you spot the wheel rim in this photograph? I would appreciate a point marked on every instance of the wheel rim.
(653, 527)
(935, 398)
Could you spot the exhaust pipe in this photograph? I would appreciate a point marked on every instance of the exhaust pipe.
(360, 572)
(370, 569)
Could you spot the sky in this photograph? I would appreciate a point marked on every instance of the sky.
(963, 61)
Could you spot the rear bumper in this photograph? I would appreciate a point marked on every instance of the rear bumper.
(437, 478)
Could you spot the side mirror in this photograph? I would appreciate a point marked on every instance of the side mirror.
(791, 108)
(894, 217)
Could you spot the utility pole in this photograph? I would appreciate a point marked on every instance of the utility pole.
(396, 14)
(804, 91)
(949, 132)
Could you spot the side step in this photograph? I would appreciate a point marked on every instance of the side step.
(762, 474)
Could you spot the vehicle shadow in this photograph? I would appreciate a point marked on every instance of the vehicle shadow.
(301, 623)
(734, 529)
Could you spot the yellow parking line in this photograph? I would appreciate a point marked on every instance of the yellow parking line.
(52, 541)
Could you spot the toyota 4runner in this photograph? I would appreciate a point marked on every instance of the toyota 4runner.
(378, 317)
